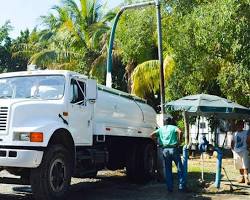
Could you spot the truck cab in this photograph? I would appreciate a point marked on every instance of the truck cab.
(33, 106)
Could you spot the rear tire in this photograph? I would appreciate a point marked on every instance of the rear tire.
(149, 162)
(51, 180)
(131, 165)
(141, 163)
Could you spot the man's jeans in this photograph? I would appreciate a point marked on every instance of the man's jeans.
(169, 155)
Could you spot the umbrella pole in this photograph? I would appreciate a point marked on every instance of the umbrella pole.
(202, 170)
(185, 147)
(186, 123)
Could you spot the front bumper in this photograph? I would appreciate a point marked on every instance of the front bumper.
(20, 158)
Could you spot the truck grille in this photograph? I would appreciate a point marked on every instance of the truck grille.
(3, 118)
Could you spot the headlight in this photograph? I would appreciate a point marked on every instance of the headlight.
(21, 136)
(28, 136)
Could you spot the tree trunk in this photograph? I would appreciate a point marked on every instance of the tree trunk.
(129, 69)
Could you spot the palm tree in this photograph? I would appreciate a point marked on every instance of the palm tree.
(75, 35)
(146, 79)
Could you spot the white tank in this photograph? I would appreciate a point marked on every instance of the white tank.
(121, 114)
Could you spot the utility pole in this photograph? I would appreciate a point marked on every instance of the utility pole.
(159, 31)
(160, 56)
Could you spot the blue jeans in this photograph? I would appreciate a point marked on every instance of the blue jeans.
(169, 155)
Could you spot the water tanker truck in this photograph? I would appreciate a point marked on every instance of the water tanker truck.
(55, 125)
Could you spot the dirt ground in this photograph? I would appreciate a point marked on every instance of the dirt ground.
(113, 185)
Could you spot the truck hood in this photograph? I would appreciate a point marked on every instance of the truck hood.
(28, 113)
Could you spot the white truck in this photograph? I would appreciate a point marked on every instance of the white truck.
(55, 125)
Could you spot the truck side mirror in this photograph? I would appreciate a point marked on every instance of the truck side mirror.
(91, 90)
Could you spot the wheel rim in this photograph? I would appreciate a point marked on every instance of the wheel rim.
(57, 175)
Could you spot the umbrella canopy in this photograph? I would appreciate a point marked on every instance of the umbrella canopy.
(209, 105)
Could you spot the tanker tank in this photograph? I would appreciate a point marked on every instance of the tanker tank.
(118, 113)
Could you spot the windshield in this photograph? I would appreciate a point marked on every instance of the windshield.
(40, 87)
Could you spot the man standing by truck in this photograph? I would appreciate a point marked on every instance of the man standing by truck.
(169, 137)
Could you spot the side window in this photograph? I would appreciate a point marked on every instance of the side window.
(78, 92)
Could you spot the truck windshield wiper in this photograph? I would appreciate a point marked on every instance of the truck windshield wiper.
(5, 97)
(33, 97)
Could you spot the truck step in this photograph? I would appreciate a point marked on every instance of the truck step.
(85, 174)
(83, 157)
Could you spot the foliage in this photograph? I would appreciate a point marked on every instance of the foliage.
(205, 39)
(205, 43)
(74, 36)
(134, 29)
(98, 70)
(7, 62)
(235, 82)
(135, 38)
(21, 49)
(146, 79)
(5, 54)
(4, 31)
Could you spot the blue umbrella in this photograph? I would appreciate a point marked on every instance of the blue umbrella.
(209, 105)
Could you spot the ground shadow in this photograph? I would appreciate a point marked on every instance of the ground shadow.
(119, 188)
(208, 187)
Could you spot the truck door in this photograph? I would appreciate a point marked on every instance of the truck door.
(80, 113)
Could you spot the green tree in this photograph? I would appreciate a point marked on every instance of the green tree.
(136, 38)
(74, 36)
(5, 44)
(21, 51)
(4, 32)
(208, 39)
(235, 82)
(8, 61)
(146, 80)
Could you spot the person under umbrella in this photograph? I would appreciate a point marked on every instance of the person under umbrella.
(241, 139)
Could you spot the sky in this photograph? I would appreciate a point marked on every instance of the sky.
(25, 13)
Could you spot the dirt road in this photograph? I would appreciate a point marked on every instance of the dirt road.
(115, 186)
(108, 186)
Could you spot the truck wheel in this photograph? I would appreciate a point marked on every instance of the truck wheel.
(141, 163)
(51, 180)
(160, 166)
(149, 162)
(131, 165)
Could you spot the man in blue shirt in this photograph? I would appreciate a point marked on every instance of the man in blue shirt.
(169, 137)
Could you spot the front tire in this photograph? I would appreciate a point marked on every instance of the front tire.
(51, 180)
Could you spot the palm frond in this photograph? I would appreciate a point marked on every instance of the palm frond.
(73, 10)
(50, 56)
(98, 68)
(108, 17)
(44, 57)
(63, 66)
(145, 78)
(169, 66)
(23, 54)
(84, 8)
